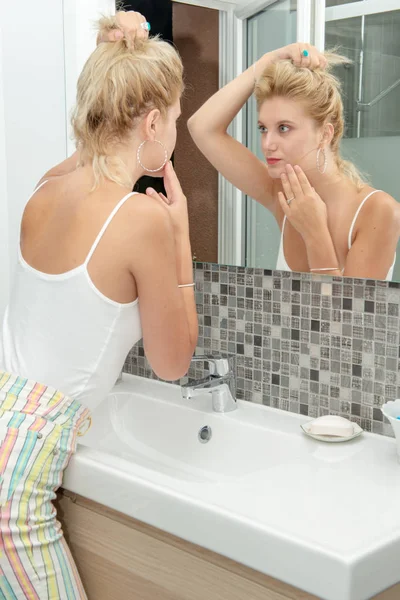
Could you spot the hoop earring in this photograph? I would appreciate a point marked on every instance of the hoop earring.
(322, 171)
(140, 162)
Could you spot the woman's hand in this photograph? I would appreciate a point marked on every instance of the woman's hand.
(302, 205)
(126, 25)
(294, 52)
(175, 200)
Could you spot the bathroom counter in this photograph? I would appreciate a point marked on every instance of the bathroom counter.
(321, 517)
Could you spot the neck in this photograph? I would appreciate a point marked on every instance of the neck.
(124, 160)
(328, 184)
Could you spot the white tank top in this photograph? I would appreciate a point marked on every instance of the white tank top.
(282, 265)
(60, 330)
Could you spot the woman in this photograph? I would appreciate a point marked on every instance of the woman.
(99, 267)
(331, 221)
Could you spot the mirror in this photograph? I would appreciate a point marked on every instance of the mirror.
(371, 95)
(226, 226)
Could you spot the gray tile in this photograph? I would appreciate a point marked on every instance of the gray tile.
(309, 345)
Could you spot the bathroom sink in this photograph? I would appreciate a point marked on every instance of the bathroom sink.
(157, 429)
(249, 485)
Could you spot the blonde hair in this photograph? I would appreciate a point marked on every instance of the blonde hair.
(320, 92)
(121, 82)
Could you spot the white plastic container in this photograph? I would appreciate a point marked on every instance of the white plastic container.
(391, 410)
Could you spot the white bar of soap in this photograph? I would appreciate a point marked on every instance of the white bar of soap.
(331, 425)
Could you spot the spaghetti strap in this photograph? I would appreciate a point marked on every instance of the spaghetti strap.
(356, 216)
(106, 224)
(283, 225)
(37, 188)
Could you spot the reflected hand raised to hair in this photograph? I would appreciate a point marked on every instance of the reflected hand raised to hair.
(301, 55)
(306, 210)
(126, 25)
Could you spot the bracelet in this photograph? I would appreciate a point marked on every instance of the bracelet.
(186, 285)
(325, 269)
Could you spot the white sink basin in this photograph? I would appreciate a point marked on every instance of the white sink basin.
(322, 517)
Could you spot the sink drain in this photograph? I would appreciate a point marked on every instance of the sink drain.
(205, 434)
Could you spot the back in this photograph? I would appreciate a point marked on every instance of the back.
(60, 328)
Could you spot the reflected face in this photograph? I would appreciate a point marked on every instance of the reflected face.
(288, 135)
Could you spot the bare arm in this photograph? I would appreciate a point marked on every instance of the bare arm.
(184, 269)
(321, 253)
(167, 312)
(372, 252)
(373, 249)
(208, 128)
(308, 214)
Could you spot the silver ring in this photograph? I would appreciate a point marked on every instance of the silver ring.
(289, 200)
(145, 25)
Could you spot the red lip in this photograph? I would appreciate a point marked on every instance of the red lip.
(273, 161)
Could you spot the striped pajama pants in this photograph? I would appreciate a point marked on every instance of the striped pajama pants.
(38, 435)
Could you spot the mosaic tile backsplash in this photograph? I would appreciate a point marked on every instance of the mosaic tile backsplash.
(313, 345)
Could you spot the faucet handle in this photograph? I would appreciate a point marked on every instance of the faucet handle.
(219, 365)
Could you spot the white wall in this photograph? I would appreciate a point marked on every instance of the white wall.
(80, 40)
(32, 91)
(37, 92)
(4, 260)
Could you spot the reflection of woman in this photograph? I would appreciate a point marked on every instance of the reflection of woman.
(99, 267)
(331, 221)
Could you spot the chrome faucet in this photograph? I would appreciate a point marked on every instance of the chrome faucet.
(220, 383)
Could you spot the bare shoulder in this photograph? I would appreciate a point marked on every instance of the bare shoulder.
(378, 198)
(145, 208)
(379, 203)
(381, 211)
(147, 218)
(38, 204)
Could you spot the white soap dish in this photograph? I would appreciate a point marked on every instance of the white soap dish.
(346, 430)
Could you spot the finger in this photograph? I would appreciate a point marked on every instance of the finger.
(171, 181)
(106, 36)
(284, 205)
(314, 59)
(130, 22)
(297, 56)
(158, 197)
(304, 183)
(127, 18)
(294, 182)
(151, 192)
(286, 186)
(318, 59)
(305, 59)
(117, 35)
(141, 32)
(166, 200)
